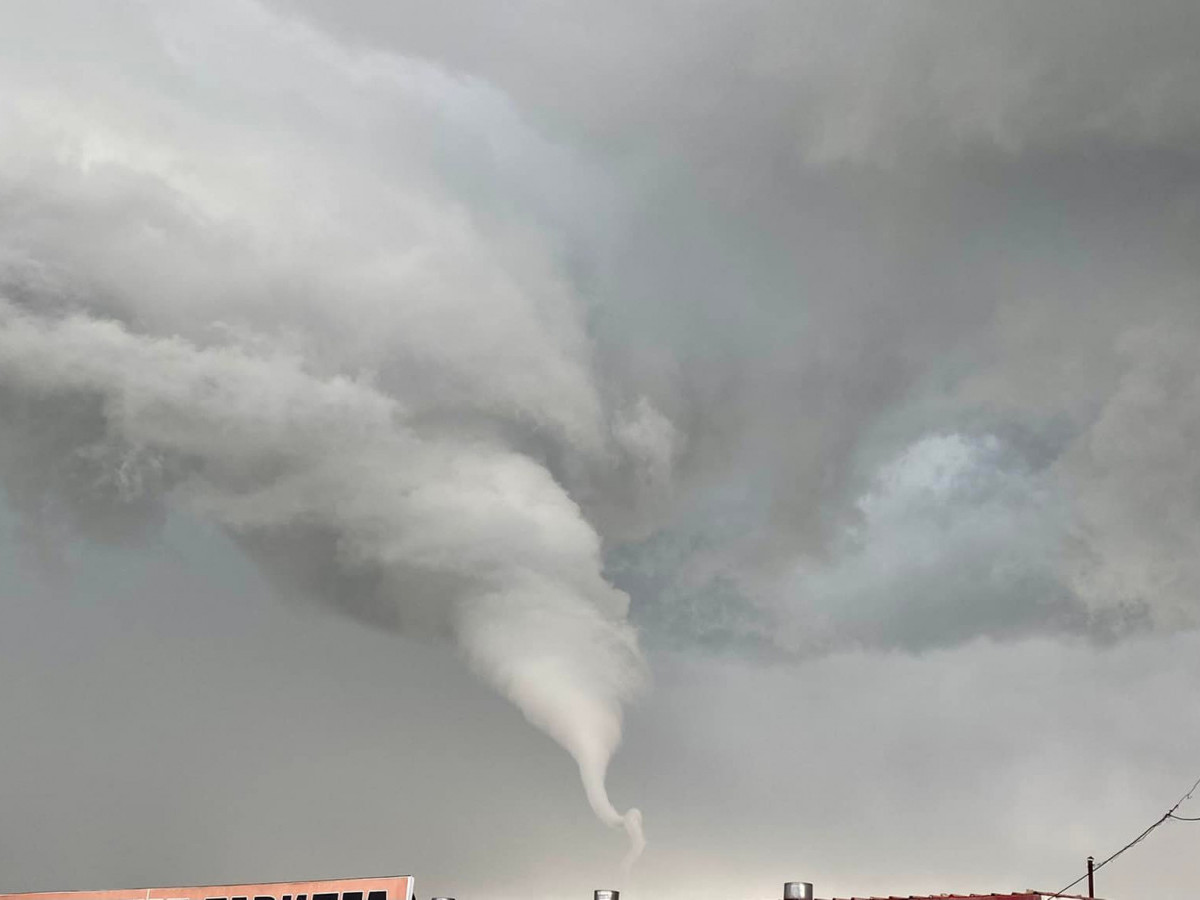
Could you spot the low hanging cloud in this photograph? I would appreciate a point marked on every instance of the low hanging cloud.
(1134, 479)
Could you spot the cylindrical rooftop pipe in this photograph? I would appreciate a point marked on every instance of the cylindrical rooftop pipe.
(798, 890)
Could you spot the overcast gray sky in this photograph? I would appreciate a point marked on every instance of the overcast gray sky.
(786, 409)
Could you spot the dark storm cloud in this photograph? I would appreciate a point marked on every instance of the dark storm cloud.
(806, 240)
(850, 230)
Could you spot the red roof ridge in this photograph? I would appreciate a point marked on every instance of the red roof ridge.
(1019, 895)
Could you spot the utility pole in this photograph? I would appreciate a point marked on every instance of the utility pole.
(1091, 877)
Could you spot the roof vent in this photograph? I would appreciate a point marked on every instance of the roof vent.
(606, 895)
(798, 890)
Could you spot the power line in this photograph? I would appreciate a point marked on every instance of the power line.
(1169, 814)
